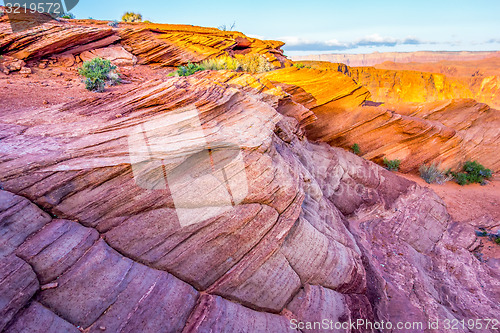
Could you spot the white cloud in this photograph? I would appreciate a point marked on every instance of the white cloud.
(301, 44)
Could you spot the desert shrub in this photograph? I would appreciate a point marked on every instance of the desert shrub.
(223, 62)
(113, 24)
(476, 172)
(355, 149)
(392, 165)
(98, 72)
(68, 16)
(432, 174)
(461, 178)
(299, 65)
(481, 233)
(131, 17)
(189, 69)
(495, 237)
(255, 63)
(473, 173)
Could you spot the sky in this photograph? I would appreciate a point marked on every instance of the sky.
(313, 27)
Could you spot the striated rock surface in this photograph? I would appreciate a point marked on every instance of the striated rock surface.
(446, 131)
(489, 66)
(401, 86)
(332, 102)
(156, 44)
(202, 207)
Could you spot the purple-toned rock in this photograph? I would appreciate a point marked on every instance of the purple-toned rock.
(19, 218)
(215, 314)
(38, 319)
(56, 248)
(18, 284)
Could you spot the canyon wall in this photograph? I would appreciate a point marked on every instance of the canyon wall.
(398, 57)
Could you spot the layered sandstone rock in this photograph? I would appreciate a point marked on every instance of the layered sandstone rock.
(489, 66)
(446, 131)
(322, 98)
(419, 87)
(410, 86)
(203, 207)
(156, 44)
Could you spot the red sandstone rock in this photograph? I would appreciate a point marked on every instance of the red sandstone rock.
(319, 232)
(159, 44)
(11, 64)
(116, 54)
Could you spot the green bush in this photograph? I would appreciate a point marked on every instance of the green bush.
(432, 174)
(189, 69)
(131, 17)
(299, 65)
(355, 149)
(68, 16)
(220, 63)
(255, 63)
(473, 173)
(497, 240)
(476, 172)
(460, 178)
(98, 72)
(392, 165)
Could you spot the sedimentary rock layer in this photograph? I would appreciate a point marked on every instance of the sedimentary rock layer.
(156, 44)
(193, 204)
(446, 131)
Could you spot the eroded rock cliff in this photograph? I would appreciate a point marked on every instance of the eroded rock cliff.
(155, 44)
(449, 132)
(376, 58)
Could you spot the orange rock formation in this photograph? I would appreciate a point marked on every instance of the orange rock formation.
(156, 44)
(399, 57)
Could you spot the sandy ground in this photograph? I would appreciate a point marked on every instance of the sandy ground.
(56, 85)
(470, 203)
(466, 203)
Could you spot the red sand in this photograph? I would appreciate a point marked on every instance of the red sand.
(468, 203)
